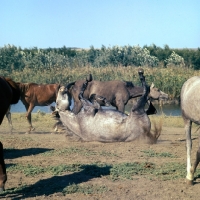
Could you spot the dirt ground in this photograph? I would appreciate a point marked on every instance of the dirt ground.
(29, 149)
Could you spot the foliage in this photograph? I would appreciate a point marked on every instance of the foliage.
(64, 65)
(15, 58)
(169, 80)
(175, 59)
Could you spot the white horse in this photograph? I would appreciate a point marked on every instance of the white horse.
(190, 99)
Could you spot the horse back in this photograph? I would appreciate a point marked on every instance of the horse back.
(39, 94)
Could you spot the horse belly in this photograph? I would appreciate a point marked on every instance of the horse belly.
(103, 130)
(190, 99)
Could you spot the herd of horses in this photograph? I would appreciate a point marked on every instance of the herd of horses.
(90, 121)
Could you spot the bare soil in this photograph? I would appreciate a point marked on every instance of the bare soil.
(30, 149)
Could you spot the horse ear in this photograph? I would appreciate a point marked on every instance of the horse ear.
(152, 85)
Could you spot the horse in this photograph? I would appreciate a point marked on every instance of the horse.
(10, 94)
(33, 94)
(3, 175)
(118, 93)
(190, 98)
(93, 123)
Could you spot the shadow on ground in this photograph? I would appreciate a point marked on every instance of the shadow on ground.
(16, 153)
(56, 184)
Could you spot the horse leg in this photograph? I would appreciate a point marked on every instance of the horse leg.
(28, 117)
(77, 107)
(120, 105)
(197, 159)
(190, 170)
(3, 175)
(8, 115)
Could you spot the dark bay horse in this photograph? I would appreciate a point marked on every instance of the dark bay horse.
(10, 94)
(33, 94)
(3, 175)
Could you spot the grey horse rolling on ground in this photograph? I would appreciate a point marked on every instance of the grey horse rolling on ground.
(190, 99)
(105, 125)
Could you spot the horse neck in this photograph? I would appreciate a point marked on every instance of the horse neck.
(142, 100)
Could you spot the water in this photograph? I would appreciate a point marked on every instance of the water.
(20, 108)
(169, 110)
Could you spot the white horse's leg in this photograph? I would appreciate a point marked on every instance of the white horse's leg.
(190, 174)
(197, 160)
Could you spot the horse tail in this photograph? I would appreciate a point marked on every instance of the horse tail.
(155, 134)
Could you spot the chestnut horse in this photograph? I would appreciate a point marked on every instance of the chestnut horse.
(10, 94)
(33, 94)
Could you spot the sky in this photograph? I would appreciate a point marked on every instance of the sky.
(86, 23)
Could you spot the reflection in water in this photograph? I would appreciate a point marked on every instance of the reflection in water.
(173, 110)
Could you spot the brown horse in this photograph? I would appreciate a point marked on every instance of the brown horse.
(3, 176)
(33, 94)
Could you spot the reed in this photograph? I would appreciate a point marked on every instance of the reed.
(169, 80)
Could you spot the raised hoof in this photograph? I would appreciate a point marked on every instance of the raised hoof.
(140, 71)
(89, 78)
(189, 182)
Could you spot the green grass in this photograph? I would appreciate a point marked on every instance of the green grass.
(80, 151)
(86, 189)
(151, 153)
(166, 171)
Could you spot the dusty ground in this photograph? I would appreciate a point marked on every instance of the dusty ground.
(32, 150)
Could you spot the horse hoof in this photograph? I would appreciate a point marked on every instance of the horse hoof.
(140, 71)
(189, 182)
(89, 78)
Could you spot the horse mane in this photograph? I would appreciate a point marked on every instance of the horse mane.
(129, 84)
(11, 83)
(15, 89)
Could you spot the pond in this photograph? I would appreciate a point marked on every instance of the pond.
(167, 109)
